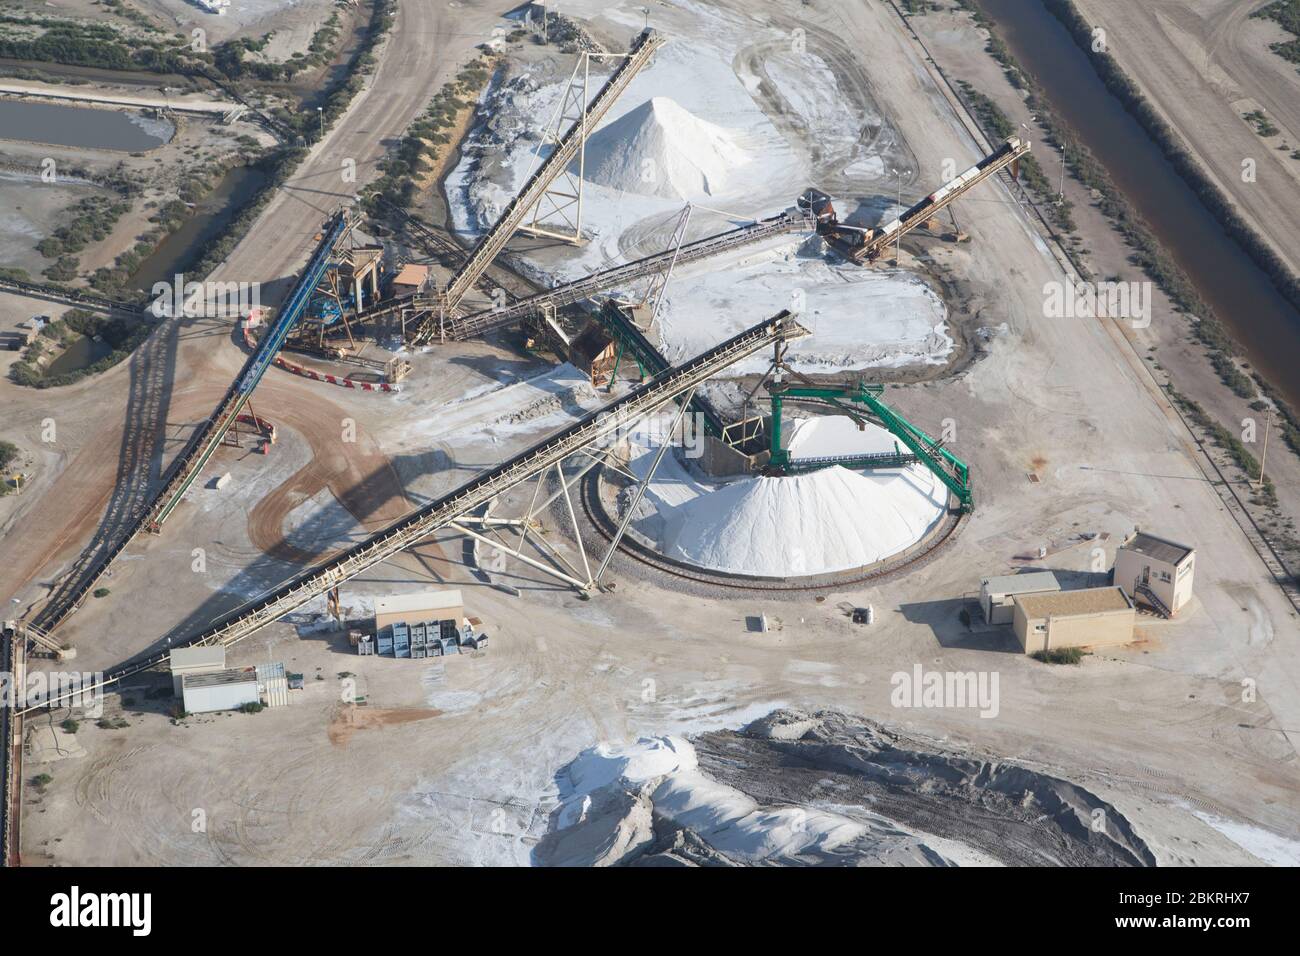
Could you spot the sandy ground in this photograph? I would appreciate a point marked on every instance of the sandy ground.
(457, 761)
(1167, 344)
(1203, 63)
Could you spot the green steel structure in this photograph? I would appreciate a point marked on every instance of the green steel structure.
(950, 469)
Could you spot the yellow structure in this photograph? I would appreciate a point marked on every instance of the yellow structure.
(1084, 618)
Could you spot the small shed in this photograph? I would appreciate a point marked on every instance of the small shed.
(1156, 572)
(227, 689)
(1083, 618)
(195, 660)
(593, 352)
(410, 279)
(273, 684)
(997, 594)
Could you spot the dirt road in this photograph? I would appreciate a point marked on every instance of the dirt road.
(1203, 64)
(426, 45)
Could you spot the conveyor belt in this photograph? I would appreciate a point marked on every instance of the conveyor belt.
(494, 239)
(204, 442)
(592, 428)
(488, 320)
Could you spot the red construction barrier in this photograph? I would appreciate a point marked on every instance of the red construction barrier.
(255, 318)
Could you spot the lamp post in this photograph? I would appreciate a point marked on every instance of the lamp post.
(320, 114)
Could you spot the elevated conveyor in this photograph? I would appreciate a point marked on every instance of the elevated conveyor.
(602, 425)
(494, 240)
(489, 320)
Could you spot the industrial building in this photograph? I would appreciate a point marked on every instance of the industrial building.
(1088, 617)
(195, 660)
(227, 689)
(1156, 572)
(997, 594)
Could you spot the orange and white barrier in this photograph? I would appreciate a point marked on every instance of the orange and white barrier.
(255, 319)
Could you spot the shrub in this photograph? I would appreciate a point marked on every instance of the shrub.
(252, 707)
(1059, 655)
(70, 726)
(101, 592)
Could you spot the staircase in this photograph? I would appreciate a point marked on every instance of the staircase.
(1140, 589)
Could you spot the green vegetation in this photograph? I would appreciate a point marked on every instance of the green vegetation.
(101, 592)
(230, 59)
(42, 780)
(1287, 14)
(116, 723)
(1059, 655)
(1222, 438)
(89, 44)
(70, 726)
(252, 707)
(426, 138)
(1260, 121)
(8, 453)
(122, 335)
(92, 219)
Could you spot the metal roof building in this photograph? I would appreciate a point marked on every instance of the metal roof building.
(997, 593)
(228, 689)
(195, 660)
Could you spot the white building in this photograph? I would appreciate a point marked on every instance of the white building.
(195, 660)
(1155, 572)
(223, 690)
(997, 595)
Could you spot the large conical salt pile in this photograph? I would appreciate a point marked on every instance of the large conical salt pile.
(818, 523)
(661, 149)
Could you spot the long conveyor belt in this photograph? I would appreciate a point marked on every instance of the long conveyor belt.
(566, 149)
(488, 320)
(592, 428)
(209, 435)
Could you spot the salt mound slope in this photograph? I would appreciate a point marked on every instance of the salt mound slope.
(661, 149)
(819, 523)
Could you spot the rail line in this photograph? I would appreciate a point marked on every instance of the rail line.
(189, 463)
(420, 524)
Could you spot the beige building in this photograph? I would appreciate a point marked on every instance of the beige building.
(997, 595)
(195, 660)
(1088, 617)
(421, 606)
(1155, 572)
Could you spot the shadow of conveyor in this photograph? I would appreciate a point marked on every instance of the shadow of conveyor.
(139, 469)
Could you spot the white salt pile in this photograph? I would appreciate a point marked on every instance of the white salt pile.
(613, 792)
(661, 149)
(826, 521)
(822, 522)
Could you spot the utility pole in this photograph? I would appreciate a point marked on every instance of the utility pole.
(1264, 454)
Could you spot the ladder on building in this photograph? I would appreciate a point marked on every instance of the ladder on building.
(1143, 590)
